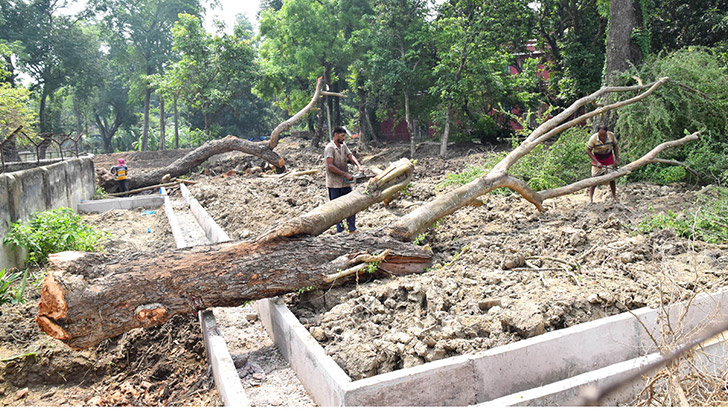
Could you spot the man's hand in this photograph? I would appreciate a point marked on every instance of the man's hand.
(348, 176)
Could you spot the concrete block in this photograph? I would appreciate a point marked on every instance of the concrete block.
(103, 205)
(56, 186)
(319, 373)
(179, 238)
(711, 357)
(447, 382)
(27, 194)
(212, 230)
(8, 257)
(226, 376)
(545, 359)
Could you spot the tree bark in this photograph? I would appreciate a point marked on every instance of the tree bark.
(161, 124)
(200, 155)
(87, 299)
(621, 52)
(145, 129)
(176, 124)
(445, 133)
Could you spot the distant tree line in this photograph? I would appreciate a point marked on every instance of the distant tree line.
(146, 75)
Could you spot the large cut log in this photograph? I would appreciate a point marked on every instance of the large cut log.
(87, 298)
(198, 156)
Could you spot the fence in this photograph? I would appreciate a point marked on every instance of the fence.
(66, 146)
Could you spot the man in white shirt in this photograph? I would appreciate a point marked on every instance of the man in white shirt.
(337, 155)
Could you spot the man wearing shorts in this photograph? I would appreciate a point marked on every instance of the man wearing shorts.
(603, 151)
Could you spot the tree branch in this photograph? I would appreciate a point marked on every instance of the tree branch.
(287, 124)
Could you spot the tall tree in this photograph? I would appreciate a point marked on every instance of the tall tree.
(471, 57)
(625, 27)
(212, 71)
(142, 29)
(300, 42)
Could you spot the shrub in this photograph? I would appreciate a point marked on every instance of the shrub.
(709, 223)
(695, 98)
(53, 231)
(563, 162)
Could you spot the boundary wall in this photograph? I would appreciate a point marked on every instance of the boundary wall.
(63, 184)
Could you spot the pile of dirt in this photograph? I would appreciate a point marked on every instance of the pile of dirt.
(160, 366)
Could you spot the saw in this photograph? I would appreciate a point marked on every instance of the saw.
(358, 178)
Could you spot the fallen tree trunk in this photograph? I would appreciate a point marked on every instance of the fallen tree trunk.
(198, 156)
(409, 226)
(86, 298)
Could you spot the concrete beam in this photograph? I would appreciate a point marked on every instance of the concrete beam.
(322, 378)
(103, 205)
(179, 238)
(711, 357)
(227, 380)
(212, 230)
(226, 376)
(498, 372)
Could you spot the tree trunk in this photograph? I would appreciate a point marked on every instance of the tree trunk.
(445, 133)
(318, 135)
(176, 124)
(623, 19)
(145, 129)
(287, 124)
(408, 120)
(200, 155)
(162, 137)
(87, 299)
(42, 111)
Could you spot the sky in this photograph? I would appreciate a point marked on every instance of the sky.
(230, 9)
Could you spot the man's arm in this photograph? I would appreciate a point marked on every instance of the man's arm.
(616, 154)
(334, 170)
(593, 157)
(353, 159)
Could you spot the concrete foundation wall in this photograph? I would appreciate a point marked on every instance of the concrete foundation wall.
(63, 184)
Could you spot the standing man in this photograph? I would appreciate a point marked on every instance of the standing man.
(603, 151)
(337, 155)
(121, 172)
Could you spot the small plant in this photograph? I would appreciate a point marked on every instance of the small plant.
(53, 231)
(301, 291)
(372, 267)
(8, 293)
(420, 239)
(100, 193)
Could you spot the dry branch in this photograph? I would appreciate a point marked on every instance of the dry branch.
(198, 156)
(409, 226)
(287, 124)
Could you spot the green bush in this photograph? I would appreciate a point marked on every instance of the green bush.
(53, 231)
(563, 162)
(695, 99)
(709, 223)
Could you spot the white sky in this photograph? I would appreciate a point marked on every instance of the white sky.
(230, 9)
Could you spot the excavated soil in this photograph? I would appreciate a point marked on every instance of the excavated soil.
(503, 272)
